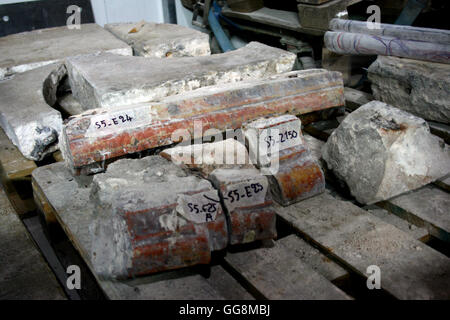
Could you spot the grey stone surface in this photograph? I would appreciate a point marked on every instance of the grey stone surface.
(29, 50)
(161, 40)
(76, 213)
(108, 80)
(150, 184)
(25, 115)
(381, 151)
(419, 87)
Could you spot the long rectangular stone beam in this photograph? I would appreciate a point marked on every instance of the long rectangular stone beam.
(108, 80)
(29, 50)
(103, 134)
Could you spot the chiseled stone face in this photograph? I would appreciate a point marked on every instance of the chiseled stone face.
(381, 151)
(162, 40)
(108, 80)
(29, 50)
(419, 87)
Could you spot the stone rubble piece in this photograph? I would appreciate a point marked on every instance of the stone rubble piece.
(25, 115)
(278, 146)
(381, 152)
(248, 203)
(419, 87)
(146, 219)
(107, 80)
(227, 164)
(25, 51)
(98, 135)
(161, 40)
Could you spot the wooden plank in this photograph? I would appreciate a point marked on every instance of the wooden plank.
(409, 268)
(13, 163)
(277, 274)
(275, 18)
(427, 207)
(23, 273)
(75, 214)
(313, 258)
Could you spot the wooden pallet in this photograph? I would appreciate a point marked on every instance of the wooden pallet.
(23, 273)
(231, 279)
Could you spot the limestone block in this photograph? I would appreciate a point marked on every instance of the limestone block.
(152, 216)
(29, 50)
(381, 151)
(108, 80)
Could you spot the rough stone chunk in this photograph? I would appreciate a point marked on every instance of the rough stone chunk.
(278, 146)
(419, 87)
(381, 152)
(246, 195)
(25, 116)
(29, 50)
(108, 80)
(152, 216)
(161, 40)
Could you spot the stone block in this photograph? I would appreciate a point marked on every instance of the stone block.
(103, 134)
(161, 40)
(25, 115)
(108, 80)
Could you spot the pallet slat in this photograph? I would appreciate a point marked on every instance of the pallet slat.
(409, 269)
(23, 273)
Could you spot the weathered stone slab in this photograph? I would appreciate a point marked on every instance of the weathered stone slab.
(108, 80)
(24, 273)
(419, 87)
(161, 40)
(313, 258)
(368, 45)
(409, 268)
(151, 216)
(427, 208)
(76, 213)
(355, 98)
(277, 274)
(381, 152)
(103, 134)
(315, 147)
(29, 50)
(279, 149)
(25, 116)
(246, 196)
